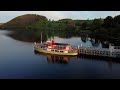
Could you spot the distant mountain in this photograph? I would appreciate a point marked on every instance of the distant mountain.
(21, 22)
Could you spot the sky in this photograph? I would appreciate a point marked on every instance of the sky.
(6, 16)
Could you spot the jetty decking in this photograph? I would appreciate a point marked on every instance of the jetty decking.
(112, 51)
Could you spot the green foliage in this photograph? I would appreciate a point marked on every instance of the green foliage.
(97, 23)
(110, 26)
(108, 21)
(84, 25)
(116, 22)
(80, 22)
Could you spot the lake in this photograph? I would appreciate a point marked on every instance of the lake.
(19, 61)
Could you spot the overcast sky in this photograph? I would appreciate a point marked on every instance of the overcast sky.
(5, 16)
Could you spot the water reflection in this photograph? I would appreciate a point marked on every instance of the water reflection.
(34, 36)
(57, 58)
(84, 39)
(94, 42)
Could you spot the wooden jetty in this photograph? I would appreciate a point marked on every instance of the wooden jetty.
(112, 51)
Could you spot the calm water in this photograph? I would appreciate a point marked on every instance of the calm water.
(18, 61)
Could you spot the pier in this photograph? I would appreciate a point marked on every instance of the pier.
(112, 51)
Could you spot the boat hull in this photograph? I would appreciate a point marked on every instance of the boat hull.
(56, 53)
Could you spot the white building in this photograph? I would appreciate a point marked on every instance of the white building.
(114, 51)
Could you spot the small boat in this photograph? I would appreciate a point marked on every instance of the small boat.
(50, 47)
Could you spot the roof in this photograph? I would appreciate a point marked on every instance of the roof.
(61, 44)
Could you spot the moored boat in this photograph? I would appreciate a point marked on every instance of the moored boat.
(50, 47)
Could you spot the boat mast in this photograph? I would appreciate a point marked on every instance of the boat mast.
(41, 37)
(47, 36)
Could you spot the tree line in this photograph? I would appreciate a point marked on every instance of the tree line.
(109, 26)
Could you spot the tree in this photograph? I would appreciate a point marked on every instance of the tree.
(97, 23)
(84, 25)
(71, 25)
(116, 21)
(108, 21)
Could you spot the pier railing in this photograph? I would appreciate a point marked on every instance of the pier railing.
(99, 51)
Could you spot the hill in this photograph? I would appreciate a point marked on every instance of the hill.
(22, 22)
(1, 23)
